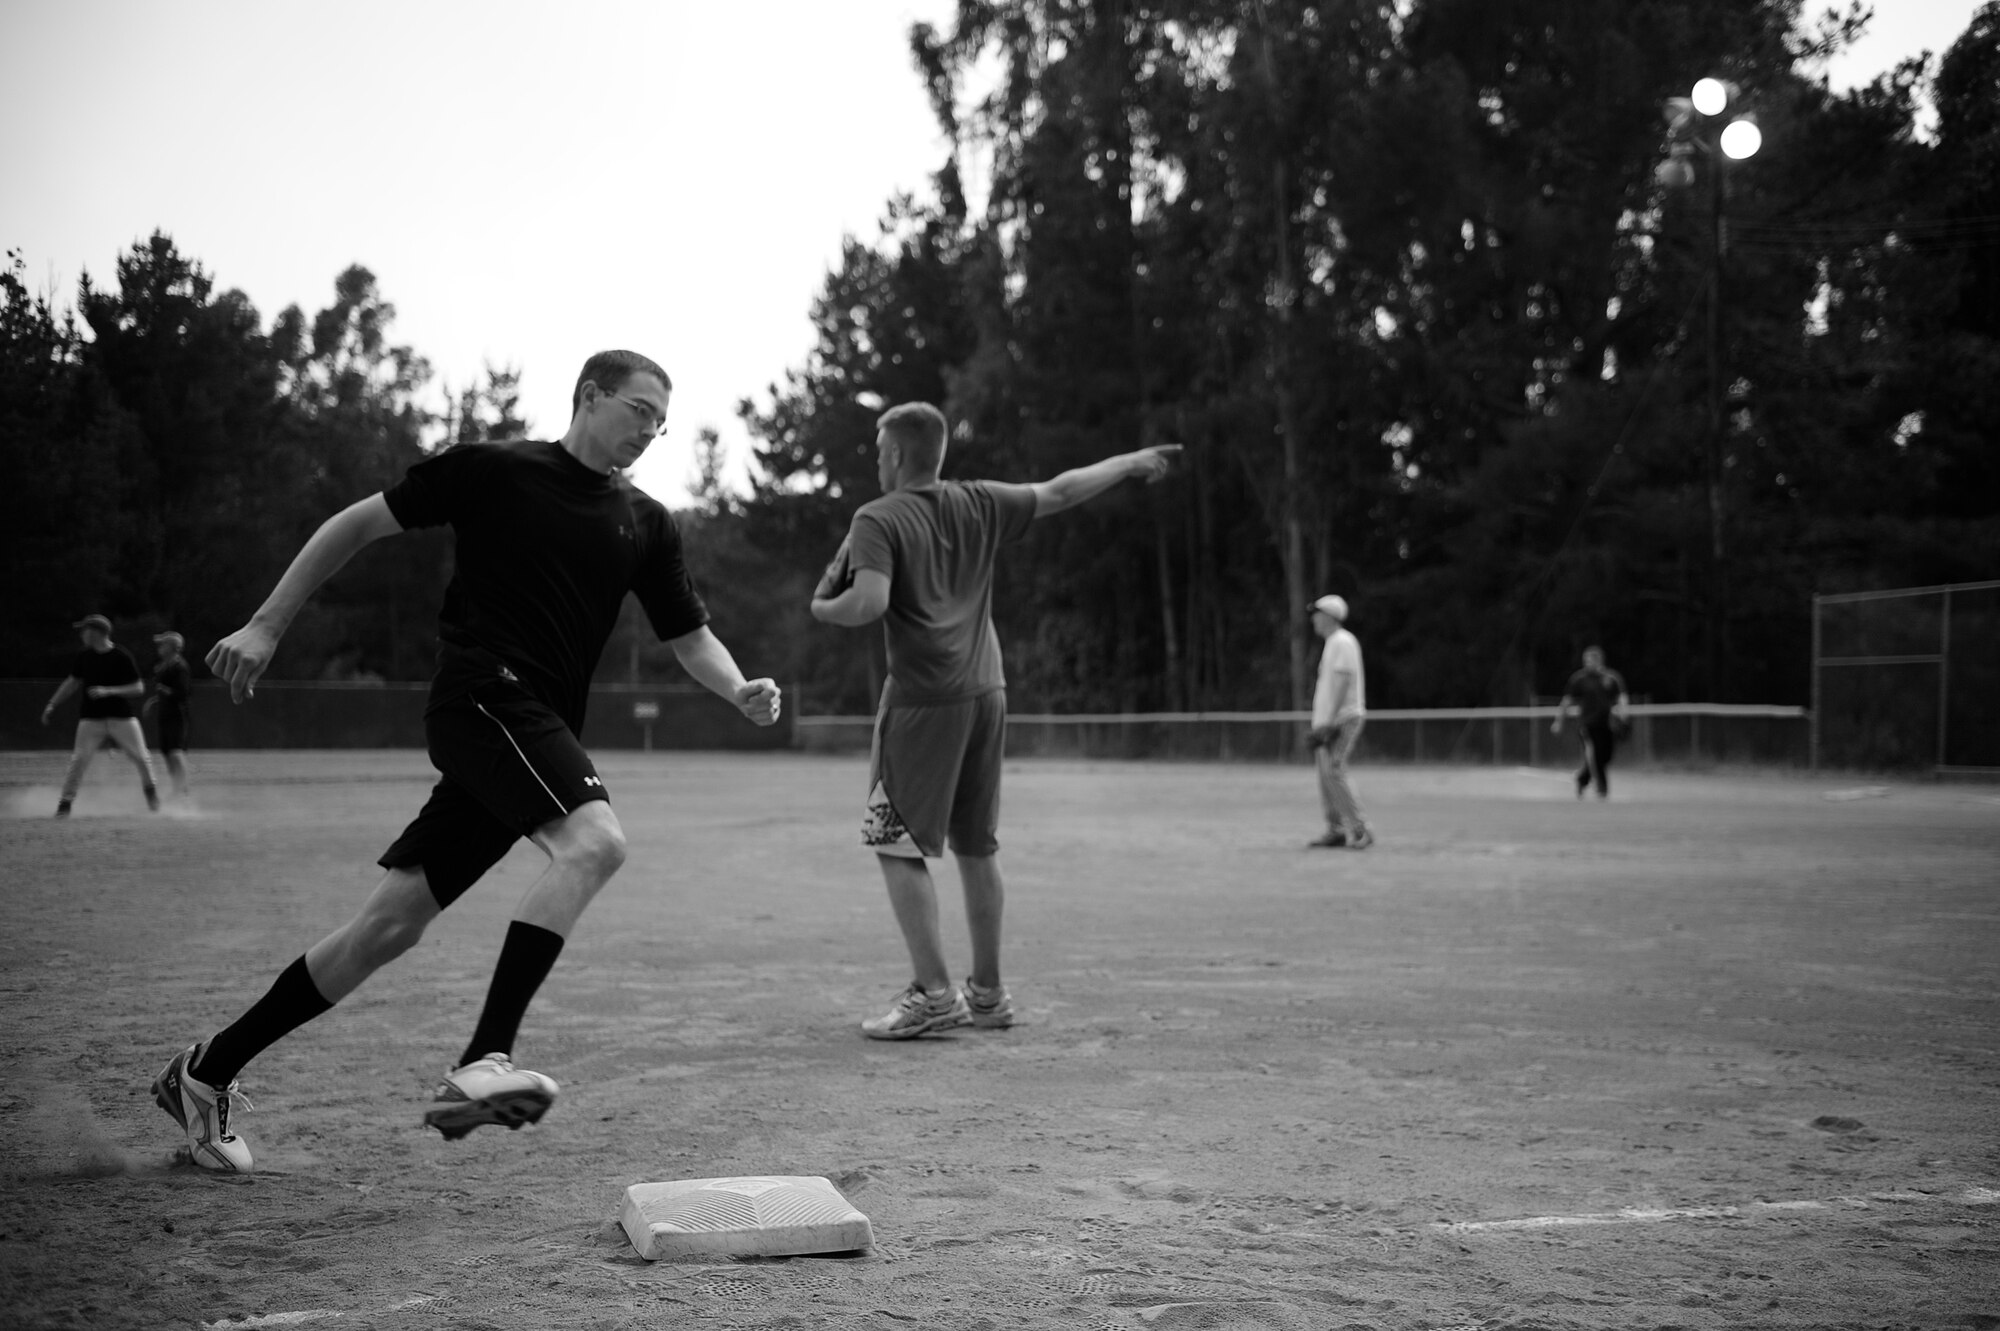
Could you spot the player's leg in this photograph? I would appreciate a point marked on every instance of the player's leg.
(173, 747)
(451, 843)
(528, 772)
(987, 998)
(1587, 773)
(585, 848)
(1601, 744)
(124, 732)
(388, 924)
(89, 735)
(975, 840)
(1346, 808)
(1327, 775)
(913, 772)
(199, 1085)
(913, 901)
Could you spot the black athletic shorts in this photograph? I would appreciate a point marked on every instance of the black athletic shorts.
(173, 730)
(509, 765)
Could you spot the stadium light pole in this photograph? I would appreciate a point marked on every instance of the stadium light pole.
(1707, 121)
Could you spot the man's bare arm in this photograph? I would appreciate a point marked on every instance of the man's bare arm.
(1083, 484)
(703, 656)
(241, 658)
(866, 601)
(63, 690)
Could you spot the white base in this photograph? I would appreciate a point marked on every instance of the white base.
(755, 1216)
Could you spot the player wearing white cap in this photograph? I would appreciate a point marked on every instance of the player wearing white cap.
(1340, 707)
(109, 680)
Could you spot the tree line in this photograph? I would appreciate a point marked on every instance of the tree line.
(1406, 280)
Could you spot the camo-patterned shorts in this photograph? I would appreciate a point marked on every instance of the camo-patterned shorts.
(934, 777)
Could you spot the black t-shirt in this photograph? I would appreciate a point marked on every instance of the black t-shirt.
(546, 550)
(171, 684)
(107, 668)
(1594, 692)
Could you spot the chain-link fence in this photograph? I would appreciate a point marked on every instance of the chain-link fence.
(1908, 678)
(1688, 734)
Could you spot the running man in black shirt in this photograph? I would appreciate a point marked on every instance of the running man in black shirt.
(109, 679)
(1598, 694)
(549, 539)
(172, 685)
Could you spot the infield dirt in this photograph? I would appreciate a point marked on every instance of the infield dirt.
(1722, 1052)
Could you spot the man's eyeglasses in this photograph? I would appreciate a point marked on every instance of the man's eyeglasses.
(652, 418)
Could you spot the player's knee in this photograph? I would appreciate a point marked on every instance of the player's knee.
(592, 840)
(607, 849)
(395, 917)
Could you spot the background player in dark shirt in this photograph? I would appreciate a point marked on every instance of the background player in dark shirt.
(169, 704)
(549, 538)
(1598, 694)
(109, 680)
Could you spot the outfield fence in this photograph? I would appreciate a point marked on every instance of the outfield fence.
(325, 714)
(1669, 733)
(1908, 678)
(345, 715)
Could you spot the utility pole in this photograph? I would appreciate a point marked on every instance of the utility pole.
(1740, 138)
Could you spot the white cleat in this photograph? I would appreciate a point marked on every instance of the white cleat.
(489, 1090)
(203, 1113)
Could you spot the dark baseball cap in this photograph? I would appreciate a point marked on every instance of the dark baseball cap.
(93, 622)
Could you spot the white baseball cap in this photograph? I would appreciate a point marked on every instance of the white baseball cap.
(1331, 605)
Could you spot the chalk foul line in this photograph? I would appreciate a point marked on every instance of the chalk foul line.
(304, 1316)
(1636, 1215)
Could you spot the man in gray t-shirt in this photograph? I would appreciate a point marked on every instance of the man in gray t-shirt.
(921, 559)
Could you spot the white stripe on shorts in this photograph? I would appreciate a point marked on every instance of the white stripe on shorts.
(560, 808)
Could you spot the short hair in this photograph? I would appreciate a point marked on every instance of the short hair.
(610, 369)
(920, 428)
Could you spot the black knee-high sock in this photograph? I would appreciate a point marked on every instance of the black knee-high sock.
(525, 959)
(291, 1002)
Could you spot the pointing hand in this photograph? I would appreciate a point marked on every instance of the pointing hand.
(1153, 464)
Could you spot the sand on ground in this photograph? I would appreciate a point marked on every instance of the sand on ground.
(1723, 1051)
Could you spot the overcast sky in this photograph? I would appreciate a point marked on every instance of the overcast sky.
(529, 182)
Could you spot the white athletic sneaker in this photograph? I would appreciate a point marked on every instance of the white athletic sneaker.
(203, 1113)
(991, 1009)
(489, 1090)
(916, 1012)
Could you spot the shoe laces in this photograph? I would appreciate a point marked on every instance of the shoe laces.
(228, 1095)
(917, 997)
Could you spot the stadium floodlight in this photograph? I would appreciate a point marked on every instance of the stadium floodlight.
(1711, 97)
(1741, 139)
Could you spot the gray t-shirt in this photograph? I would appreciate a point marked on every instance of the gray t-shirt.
(938, 544)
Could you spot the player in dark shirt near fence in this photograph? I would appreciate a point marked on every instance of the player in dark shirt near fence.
(549, 538)
(108, 678)
(1598, 695)
(169, 705)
